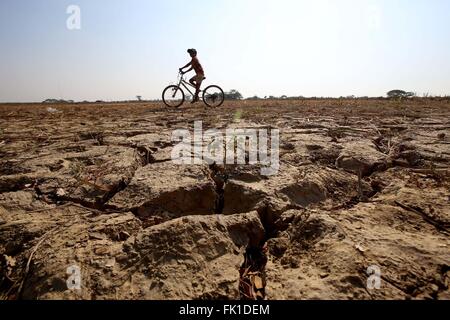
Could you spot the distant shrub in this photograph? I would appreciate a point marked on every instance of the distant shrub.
(233, 95)
(400, 94)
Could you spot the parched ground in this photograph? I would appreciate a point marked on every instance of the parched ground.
(363, 184)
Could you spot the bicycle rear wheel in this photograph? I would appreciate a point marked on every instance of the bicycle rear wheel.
(173, 96)
(213, 96)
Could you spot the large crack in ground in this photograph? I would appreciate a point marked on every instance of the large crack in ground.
(252, 278)
(219, 176)
(252, 273)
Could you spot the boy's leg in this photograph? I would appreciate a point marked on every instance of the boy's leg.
(198, 79)
(194, 82)
(197, 89)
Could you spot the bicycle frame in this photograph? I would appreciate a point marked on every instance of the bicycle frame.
(186, 85)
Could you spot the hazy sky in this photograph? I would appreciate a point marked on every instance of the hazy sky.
(294, 47)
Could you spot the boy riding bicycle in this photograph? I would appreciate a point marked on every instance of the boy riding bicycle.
(197, 80)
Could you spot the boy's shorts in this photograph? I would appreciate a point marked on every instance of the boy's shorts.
(198, 78)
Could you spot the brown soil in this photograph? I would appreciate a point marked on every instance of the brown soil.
(362, 183)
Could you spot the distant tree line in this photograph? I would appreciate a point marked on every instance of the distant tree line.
(393, 94)
(59, 101)
(236, 95)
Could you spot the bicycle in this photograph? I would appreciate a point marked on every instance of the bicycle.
(173, 96)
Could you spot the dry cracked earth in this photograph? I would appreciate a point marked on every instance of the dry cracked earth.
(362, 183)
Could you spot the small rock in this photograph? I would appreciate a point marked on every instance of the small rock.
(434, 287)
(277, 247)
(70, 243)
(324, 275)
(123, 236)
(97, 236)
(52, 110)
(441, 136)
(360, 248)
(101, 250)
(2, 221)
(10, 261)
(60, 192)
(121, 257)
(110, 263)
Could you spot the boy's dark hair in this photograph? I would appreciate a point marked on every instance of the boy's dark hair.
(192, 51)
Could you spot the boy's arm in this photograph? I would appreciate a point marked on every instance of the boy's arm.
(181, 69)
(188, 70)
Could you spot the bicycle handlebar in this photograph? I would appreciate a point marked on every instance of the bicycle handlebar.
(181, 74)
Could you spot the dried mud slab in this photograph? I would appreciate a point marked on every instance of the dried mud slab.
(183, 258)
(168, 188)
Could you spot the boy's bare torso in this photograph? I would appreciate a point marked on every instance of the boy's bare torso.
(197, 66)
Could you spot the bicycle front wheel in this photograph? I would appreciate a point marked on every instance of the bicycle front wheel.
(173, 96)
(213, 96)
